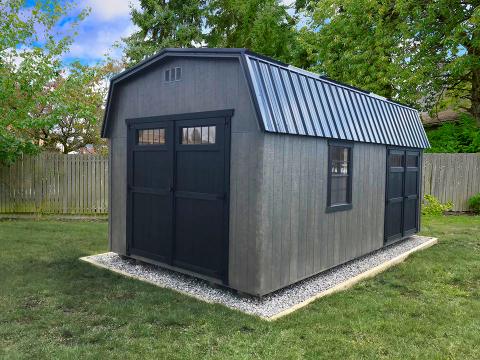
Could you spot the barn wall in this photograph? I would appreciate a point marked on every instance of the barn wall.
(206, 85)
(298, 238)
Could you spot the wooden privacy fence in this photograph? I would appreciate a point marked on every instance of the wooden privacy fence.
(78, 184)
(55, 183)
(452, 177)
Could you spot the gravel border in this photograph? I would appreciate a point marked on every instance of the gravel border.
(271, 305)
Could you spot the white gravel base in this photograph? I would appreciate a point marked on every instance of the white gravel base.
(270, 306)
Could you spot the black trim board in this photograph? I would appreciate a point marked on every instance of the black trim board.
(184, 116)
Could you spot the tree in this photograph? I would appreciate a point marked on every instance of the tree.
(75, 110)
(445, 49)
(360, 42)
(30, 60)
(164, 23)
(412, 51)
(264, 26)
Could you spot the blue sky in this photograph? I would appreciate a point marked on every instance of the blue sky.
(108, 22)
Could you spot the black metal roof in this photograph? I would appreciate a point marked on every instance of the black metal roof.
(290, 100)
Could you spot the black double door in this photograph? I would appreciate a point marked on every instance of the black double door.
(402, 194)
(178, 192)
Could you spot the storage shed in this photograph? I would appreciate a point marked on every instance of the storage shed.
(254, 174)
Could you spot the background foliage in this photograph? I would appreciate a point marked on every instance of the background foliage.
(425, 54)
(432, 206)
(455, 137)
(474, 203)
(264, 26)
(45, 103)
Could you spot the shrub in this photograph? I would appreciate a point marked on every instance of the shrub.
(474, 203)
(462, 136)
(432, 206)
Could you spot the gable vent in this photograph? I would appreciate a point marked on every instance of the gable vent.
(173, 74)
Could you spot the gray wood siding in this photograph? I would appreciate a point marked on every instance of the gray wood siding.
(206, 85)
(298, 238)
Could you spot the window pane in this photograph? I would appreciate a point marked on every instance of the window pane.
(340, 157)
(190, 136)
(340, 167)
(151, 136)
(212, 134)
(197, 135)
(167, 75)
(162, 136)
(339, 190)
(412, 160)
(339, 153)
(178, 73)
(205, 135)
(396, 160)
(184, 136)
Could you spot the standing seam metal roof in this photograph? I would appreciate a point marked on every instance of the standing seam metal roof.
(290, 100)
(295, 101)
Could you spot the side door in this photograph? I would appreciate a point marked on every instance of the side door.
(402, 194)
(394, 211)
(411, 194)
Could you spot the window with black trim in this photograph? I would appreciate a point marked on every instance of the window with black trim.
(339, 177)
(198, 135)
(151, 136)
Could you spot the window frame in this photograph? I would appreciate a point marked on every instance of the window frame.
(201, 143)
(174, 75)
(348, 205)
(143, 144)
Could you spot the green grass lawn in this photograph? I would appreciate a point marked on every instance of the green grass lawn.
(53, 305)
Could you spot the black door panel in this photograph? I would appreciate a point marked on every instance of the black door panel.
(151, 233)
(150, 177)
(402, 195)
(200, 188)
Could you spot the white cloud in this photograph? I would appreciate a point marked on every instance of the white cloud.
(101, 29)
(110, 9)
(95, 44)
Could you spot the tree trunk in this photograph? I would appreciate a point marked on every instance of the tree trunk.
(475, 95)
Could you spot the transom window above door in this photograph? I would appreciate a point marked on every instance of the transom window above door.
(151, 136)
(198, 135)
